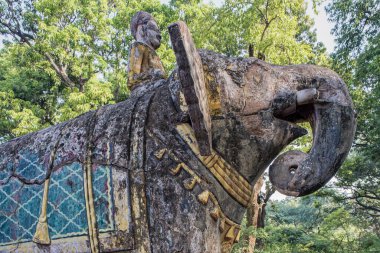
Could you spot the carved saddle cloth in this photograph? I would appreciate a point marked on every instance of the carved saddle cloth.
(65, 188)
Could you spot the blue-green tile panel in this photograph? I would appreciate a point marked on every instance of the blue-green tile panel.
(19, 211)
(67, 207)
(20, 203)
(101, 180)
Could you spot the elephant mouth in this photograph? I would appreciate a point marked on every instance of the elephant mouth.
(333, 124)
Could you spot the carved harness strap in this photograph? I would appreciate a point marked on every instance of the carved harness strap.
(234, 183)
(231, 181)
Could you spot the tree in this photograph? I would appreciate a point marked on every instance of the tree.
(28, 94)
(268, 27)
(357, 58)
(63, 58)
(314, 223)
(79, 49)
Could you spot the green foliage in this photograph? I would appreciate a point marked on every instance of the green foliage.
(278, 29)
(356, 22)
(16, 118)
(27, 99)
(312, 224)
(357, 58)
(63, 58)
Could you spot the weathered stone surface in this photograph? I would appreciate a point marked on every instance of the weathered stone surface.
(190, 72)
(131, 177)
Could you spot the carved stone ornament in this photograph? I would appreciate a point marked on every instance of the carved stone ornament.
(190, 72)
(171, 169)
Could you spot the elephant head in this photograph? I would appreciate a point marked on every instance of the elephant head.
(254, 108)
(247, 110)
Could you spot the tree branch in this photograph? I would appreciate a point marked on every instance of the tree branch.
(60, 70)
(372, 208)
(23, 37)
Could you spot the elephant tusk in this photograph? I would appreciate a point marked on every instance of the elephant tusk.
(307, 96)
(286, 104)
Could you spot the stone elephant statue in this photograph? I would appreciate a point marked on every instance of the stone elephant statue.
(171, 169)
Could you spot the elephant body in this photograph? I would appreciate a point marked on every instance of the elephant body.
(120, 142)
(130, 177)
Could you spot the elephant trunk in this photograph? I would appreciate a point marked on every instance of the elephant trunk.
(332, 119)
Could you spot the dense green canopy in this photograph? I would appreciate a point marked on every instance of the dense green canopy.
(63, 58)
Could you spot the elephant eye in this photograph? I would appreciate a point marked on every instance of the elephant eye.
(292, 169)
(152, 26)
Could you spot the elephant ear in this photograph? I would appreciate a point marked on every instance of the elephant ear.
(191, 76)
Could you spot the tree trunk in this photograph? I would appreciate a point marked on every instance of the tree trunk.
(250, 50)
(269, 191)
(253, 211)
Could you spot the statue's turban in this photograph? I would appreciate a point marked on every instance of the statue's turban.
(140, 18)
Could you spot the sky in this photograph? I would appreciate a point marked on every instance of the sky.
(322, 25)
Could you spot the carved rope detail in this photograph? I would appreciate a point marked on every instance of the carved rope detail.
(230, 231)
(41, 235)
(235, 184)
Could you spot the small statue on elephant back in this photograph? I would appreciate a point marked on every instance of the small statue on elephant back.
(144, 63)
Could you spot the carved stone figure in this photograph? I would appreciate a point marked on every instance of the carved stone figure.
(172, 168)
(144, 64)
